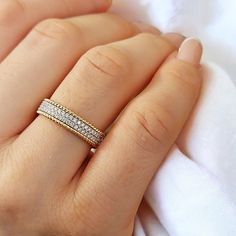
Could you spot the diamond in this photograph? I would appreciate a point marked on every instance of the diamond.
(60, 117)
(93, 139)
(69, 119)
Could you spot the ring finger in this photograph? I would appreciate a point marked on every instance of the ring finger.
(98, 88)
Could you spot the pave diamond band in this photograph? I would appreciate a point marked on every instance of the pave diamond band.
(71, 121)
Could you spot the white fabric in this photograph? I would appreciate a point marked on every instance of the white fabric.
(194, 192)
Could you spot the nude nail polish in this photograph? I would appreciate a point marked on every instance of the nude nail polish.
(190, 51)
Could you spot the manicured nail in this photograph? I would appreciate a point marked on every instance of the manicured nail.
(190, 51)
(143, 27)
(104, 4)
(174, 38)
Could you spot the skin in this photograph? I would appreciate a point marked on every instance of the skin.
(105, 69)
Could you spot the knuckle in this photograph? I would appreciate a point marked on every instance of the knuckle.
(56, 29)
(148, 127)
(10, 11)
(13, 198)
(84, 226)
(10, 206)
(110, 62)
(10, 202)
(93, 224)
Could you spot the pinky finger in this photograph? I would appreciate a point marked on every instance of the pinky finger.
(17, 17)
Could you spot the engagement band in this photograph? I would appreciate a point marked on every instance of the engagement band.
(71, 121)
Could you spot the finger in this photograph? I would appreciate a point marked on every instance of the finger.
(122, 168)
(90, 90)
(175, 39)
(17, 17)
(38, 65)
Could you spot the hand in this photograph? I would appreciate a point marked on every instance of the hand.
(49, 184)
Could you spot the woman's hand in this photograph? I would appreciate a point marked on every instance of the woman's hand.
(49, 184)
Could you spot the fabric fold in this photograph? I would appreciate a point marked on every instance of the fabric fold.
(194, 191)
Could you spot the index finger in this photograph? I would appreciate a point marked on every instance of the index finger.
(123, 166)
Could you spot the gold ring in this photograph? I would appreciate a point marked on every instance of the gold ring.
(74, 123)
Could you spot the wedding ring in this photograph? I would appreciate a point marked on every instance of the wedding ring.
(74, 123)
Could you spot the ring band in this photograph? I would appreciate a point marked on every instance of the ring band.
(74, 123)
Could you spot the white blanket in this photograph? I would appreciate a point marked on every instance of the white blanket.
(194, 192)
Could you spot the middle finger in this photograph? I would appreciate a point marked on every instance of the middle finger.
(39, 64)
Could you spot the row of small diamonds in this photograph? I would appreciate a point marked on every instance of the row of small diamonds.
(72, 121)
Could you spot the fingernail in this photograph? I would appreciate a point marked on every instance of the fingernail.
(104, 4)
(143, 27)
(174, 38)
(190, 51)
